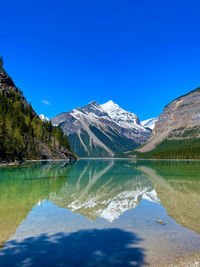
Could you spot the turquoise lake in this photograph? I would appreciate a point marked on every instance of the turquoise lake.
(99, 212)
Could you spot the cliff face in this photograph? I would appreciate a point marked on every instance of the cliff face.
(23, 135)
(180, 120)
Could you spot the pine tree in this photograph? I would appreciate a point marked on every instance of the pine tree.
(1, 62)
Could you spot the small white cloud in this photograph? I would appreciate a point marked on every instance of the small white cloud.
(46, 102)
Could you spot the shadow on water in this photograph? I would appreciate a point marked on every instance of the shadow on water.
(107, 247)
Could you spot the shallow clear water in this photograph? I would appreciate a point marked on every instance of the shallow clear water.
(98, 213)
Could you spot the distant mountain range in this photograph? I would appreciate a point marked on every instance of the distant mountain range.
(174, 134)
(102, 130)
(96, 130)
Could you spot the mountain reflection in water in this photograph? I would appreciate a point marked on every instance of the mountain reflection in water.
(103, 189)
(178, 188)
(24, 187)
(99, 188)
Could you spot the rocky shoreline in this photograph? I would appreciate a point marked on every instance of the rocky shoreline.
(19, 162)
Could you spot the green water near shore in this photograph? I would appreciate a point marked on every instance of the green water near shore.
(98, 212)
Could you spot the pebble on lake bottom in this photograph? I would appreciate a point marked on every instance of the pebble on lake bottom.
(160, 222)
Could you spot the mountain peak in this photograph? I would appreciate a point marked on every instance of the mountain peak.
(122, 117)
(101, 130)
(93, 102)
(91, 105)
(110, 105)
(110, 102)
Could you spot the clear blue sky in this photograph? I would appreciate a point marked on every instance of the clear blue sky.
(141, 54)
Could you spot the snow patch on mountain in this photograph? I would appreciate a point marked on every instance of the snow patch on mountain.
(113, 208)
(122, 117)
(150, 123)
(121, 203)
(43, 118)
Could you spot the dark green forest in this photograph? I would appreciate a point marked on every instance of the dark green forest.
(173, 149)
(22, 133)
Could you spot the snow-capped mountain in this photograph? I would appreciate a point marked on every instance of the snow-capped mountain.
(101, 130)
(43, 118)
(122, 117)
(150, 123)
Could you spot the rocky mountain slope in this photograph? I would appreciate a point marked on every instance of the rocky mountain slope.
(101, 130)
(177, 131)
(23, 135)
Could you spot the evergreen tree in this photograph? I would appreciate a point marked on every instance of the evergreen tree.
(1, 62)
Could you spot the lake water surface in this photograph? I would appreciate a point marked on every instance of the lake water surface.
(99, 213)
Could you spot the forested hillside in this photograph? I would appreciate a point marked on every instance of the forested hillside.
(172, 149)
(23, 135)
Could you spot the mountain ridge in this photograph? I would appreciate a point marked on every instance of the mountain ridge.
(177, 131)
